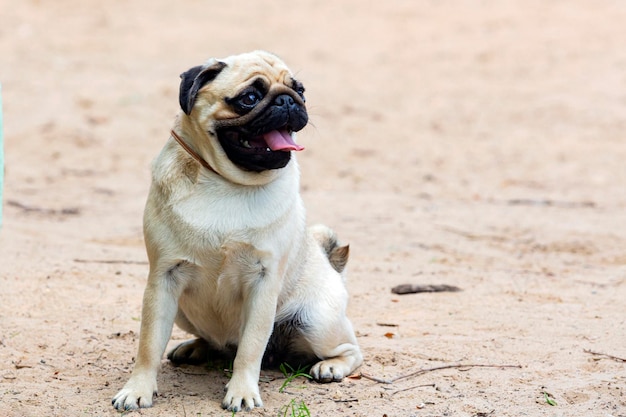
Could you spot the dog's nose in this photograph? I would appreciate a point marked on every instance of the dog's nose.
(284, 100)
(287, 111)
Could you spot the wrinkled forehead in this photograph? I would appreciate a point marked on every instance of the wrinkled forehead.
(243, 69)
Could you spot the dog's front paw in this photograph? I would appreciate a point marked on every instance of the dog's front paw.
(137, 392)
(242, 393)
(330, 370)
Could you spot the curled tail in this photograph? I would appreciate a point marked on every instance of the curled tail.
(337, 254)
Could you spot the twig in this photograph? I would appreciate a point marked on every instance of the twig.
(349, 400)
(414, 289)
(436, 368)
(472, 236)
(376, 379)
(20, 366)
(34, 209)
(110, 261)
(550, 203)
(615, 358)
(413, 387)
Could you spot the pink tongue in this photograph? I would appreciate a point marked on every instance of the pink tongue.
(280, 140)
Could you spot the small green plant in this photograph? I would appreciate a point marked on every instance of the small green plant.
(290, 374)
(549, 399)
(228, 371)
(294, 410)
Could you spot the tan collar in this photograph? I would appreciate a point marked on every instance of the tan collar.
(192, 153)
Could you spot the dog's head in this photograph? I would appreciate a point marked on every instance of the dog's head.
(246, 108)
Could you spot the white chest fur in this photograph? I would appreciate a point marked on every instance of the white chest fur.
(209, 217)
(223, 208)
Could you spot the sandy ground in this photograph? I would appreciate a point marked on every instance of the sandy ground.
(473, 143)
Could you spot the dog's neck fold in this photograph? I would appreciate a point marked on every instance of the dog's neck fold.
(191, 152)
(215, 160)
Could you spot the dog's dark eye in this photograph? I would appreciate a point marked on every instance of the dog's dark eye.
(299, 88)
(245, 102)
(300, 92)
(249, 99)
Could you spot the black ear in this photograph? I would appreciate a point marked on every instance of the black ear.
(186, 81)
(192, 80)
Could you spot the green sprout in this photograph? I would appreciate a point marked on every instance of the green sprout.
(294, 410)
(549, 399)
(290, 374)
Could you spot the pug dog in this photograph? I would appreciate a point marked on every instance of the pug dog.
(231, 259)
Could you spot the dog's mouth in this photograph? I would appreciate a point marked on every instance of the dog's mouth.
(258, 152)
(272, 141)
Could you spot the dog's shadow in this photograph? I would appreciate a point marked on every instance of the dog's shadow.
(200, 386)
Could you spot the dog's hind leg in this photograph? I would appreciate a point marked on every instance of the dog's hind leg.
(191, 352)
(325, 327)
(336, 345)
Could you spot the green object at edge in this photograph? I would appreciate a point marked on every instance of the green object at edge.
(1, 156)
